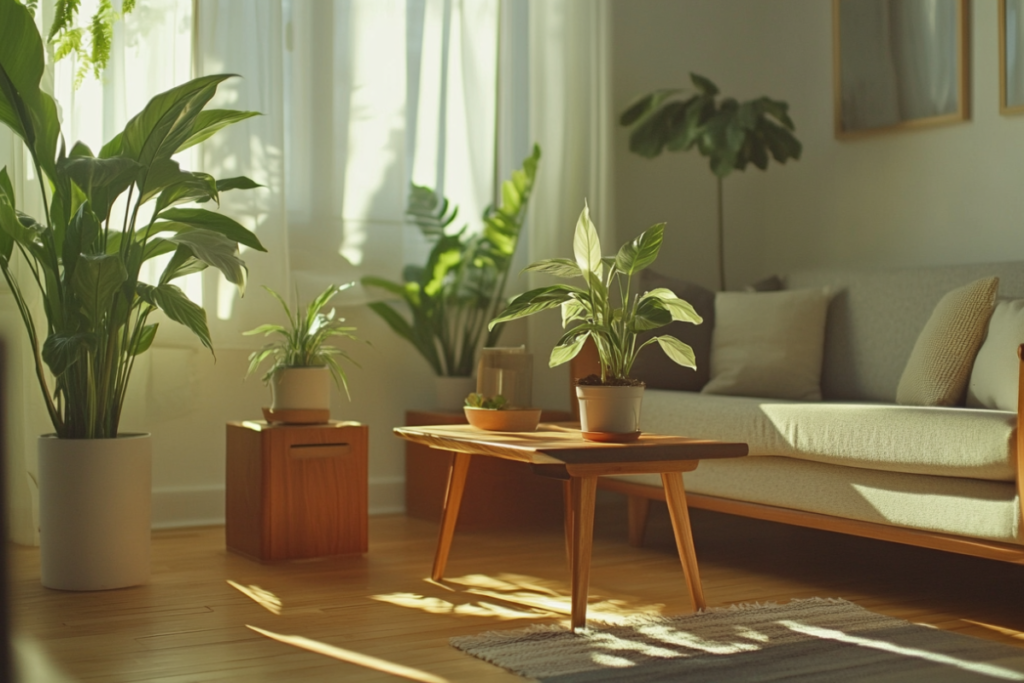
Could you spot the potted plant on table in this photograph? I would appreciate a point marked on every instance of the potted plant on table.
(452, 296)
(85, 256)
(303, 361)
(604, 309)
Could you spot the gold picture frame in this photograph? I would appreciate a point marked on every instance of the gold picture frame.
(899, 64)
(1011, 57)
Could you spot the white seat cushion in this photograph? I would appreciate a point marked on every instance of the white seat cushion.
(964, 507)
(949, 442)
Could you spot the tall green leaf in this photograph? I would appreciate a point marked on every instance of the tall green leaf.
(636, 255)
(177, 219)
(178, 307)
(96, 281)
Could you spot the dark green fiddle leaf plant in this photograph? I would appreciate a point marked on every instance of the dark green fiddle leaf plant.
(85, 254)
(461, 287)
(604, 308)
(730, 134)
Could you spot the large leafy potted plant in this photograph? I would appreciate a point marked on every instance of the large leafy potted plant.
(85, 257)
(451, 298)
(731, 135)
(606, 310)
(303, 362)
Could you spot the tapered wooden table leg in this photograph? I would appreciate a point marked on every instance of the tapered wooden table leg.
(567, 504)
(675, 496)
(450, 514)
(583, 496)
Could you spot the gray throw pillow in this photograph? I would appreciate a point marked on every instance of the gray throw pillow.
(652, 365)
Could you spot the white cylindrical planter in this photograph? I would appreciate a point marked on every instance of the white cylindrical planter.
(307, 388)
(451, 392)
(94, 511)
(610, 410)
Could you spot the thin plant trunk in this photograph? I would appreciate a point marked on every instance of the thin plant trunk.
(721, 238)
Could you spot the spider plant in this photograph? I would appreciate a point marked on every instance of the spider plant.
(303, 343)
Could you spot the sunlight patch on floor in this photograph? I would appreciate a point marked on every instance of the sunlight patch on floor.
(512, 596)
(351, 657)
(261, 597)
(979, 668)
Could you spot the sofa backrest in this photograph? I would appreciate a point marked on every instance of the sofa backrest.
(876, 315)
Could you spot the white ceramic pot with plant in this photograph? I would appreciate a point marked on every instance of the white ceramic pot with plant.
(303, 360)
(606, 310)
(84, 259)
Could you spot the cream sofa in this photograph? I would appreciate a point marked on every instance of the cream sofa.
(856, 462)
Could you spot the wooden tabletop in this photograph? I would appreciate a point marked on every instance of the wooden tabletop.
(560, 450)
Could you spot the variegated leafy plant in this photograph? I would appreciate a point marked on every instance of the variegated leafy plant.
(604, 308)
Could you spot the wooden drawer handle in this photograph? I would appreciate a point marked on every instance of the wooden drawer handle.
(318, 450)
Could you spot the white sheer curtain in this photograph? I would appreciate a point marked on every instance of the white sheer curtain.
(571, 117)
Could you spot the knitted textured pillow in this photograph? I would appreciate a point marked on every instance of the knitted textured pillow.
(940, 364)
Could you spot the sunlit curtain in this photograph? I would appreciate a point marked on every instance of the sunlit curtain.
(571, 116)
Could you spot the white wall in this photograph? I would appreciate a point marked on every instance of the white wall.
(940, 195)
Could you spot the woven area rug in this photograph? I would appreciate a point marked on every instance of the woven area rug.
(803, 640)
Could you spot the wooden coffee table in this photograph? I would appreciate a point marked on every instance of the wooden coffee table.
(559, 451)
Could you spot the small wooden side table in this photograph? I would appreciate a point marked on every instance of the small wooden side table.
(296, 491)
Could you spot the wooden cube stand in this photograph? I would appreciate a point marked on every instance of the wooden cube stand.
(296, 491)
(499, 494)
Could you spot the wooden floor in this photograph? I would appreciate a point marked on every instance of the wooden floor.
(208, 615)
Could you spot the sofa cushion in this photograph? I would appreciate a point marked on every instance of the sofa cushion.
(994, 378)
(876, 315)
(940, 364)
(964, 507)
(656, 369)
(951, 442)
(768, 344)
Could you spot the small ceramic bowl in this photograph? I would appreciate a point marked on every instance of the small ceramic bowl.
(523, 420)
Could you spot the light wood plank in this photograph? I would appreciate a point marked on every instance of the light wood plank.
(384, 605)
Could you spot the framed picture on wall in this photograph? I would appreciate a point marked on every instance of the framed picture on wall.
(1011, 56)
(899, 64)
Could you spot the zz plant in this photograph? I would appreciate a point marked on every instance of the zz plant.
(104, 215)
(604, 309)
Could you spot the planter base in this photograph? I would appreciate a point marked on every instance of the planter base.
(94, 512)
(611, 437)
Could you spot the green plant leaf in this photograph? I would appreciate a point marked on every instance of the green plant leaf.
(96, 280)
(145, 339)
(559, 267)
(167, 120)
(636, 255)
(102, 180)
(566, 352)
(210, 121)
(586, 245)
(208, 220)
(61, 350)
(703, 85)
(680, 353)
(216, 250)
(679, 309)
(237, 183)
(536, 300)
(6, 188)
(650, 314)
(178, 307)
(186, 187)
